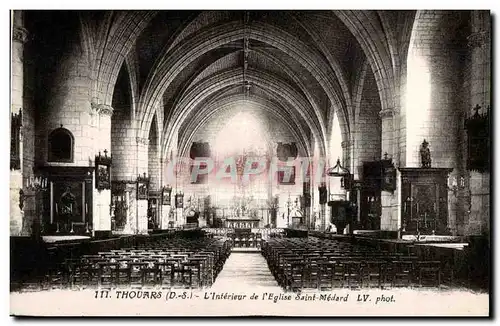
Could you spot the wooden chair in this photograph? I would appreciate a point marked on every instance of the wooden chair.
(373, 273)
(108, 274)
(151, 274)
(429, 273)
(296, 279)
(353, 274)
(401, 273)
(136, 273)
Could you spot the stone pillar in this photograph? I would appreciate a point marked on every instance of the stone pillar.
(102, 145)
(325, 215)
(346, 154)
(124, 168)
(165, 214)
(478, 221)
(130, 200)
(154, 164)
(179, 217)
(390, 202)
(319, 223)
(282, 211)
(434, 72)
(142, 167)
(322, 217)
(19, 37)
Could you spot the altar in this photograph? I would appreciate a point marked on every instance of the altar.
(242, 223)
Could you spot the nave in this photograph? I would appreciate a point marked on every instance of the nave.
(220, 260)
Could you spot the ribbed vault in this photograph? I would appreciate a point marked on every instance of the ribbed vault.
(304, 67)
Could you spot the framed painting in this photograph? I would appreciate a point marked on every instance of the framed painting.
(166, 195)
(142, 187)
(103, 171)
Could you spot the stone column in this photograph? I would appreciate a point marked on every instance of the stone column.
(19, 37)
(102, 145)
(142, 167)
(326, 213)
(165, 213)
(478, 221)
(390, 202)
(347, 162)
(282, 211)
(346, 154)
(179, 219)
(130, 201)
(434, 73)
(322, 210)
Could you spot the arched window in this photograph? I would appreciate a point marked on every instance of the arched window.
(61, 143)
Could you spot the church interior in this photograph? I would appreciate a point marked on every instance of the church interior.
(318, 149)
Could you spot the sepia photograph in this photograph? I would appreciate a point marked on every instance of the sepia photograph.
(287, 163)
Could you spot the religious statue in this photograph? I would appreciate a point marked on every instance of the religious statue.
(425, 155)
(67, 204)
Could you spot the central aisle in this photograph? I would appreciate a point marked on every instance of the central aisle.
(245, 270)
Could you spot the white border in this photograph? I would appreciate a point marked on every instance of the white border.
(144, 4)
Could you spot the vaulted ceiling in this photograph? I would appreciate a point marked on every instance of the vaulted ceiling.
(301, 66)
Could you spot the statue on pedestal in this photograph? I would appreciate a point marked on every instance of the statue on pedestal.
(425, 155)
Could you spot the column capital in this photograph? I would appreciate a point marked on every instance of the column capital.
(19, 34)
(144, 141)
(106, 110)
(478, 39)
(387, 113)
(102, 109)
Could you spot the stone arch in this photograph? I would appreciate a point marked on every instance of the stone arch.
(116, 37)
(346, 111)
(235, 77)
(214, 37)
(366, 28)
(210, 110)
(342, 115)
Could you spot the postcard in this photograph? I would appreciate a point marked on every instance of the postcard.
(250, 163)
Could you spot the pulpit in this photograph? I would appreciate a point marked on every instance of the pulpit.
(424, 200)
(341, 214)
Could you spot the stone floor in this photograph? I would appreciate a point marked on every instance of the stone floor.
(245, 270)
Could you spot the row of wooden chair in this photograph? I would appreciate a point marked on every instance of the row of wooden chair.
(168, 263)
(300, 263)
